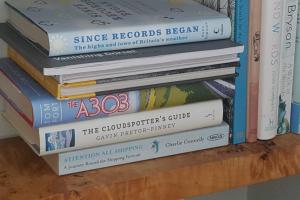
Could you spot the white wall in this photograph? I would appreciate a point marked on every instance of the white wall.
(5, 128)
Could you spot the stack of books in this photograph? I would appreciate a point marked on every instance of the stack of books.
(91, 83)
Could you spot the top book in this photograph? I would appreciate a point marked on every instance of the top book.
(64, 27)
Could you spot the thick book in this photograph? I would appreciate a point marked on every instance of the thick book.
(76, 27)
(123, 62)
(287, 59)
(253, 69)
(139, 150)
(124, 84)
(295, 113)
(238, 11)
(114, 129)
(42, 109)
(270, 47)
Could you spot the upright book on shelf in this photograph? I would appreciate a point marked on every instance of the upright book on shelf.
(238, 11)
(94, 25)
(287, 59)
(270, 47)
(295, 115)
(253, 70)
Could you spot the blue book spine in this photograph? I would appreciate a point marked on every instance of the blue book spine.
(144, 149)
(240, 99)
(47, 110)
(295, 113)
(295, 118)
(93, 26)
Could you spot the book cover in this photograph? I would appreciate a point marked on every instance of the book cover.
(286, 70)
(115, 129)
(295, 114)
(133, 151)
(253, 70)
(270, 47)
(47, 110)
(116, 24)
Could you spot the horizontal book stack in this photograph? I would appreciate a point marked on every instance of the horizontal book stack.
(90, 84)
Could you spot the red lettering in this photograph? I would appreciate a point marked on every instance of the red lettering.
(114, 109)
(82, 110)
(124, 103)
(95, 105)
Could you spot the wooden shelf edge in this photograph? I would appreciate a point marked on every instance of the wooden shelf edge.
(26, 176)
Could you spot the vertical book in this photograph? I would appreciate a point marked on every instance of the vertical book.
(270, 48)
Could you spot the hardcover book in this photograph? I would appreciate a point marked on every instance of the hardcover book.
(287, 59)
(295, 115)
(42, 109)
(270, 47)
(114, 129)
(162, 58)
(104, 71)
(95, 25)
(143, 149)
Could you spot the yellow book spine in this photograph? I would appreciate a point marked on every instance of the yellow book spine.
(48, 82)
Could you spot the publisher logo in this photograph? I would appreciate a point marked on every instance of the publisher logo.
(155, 146)
(216, 137)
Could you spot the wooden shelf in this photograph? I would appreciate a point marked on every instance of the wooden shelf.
(26, 176)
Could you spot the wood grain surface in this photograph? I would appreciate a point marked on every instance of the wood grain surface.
(23, 175)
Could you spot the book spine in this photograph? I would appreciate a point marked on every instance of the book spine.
(226, 7)
(288, 43)
(134, 37)
(269, 69)
(253, 70)
(50, 111)
(144, 149)
(86, 134)
(240, 98)
(295, 115)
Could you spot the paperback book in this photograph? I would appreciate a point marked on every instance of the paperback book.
(114, 25)
(42, 109)
(143, 149)
(114, 129)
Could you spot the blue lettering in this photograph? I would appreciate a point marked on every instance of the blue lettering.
(276, 27)
(76, 40)
(115, 36)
